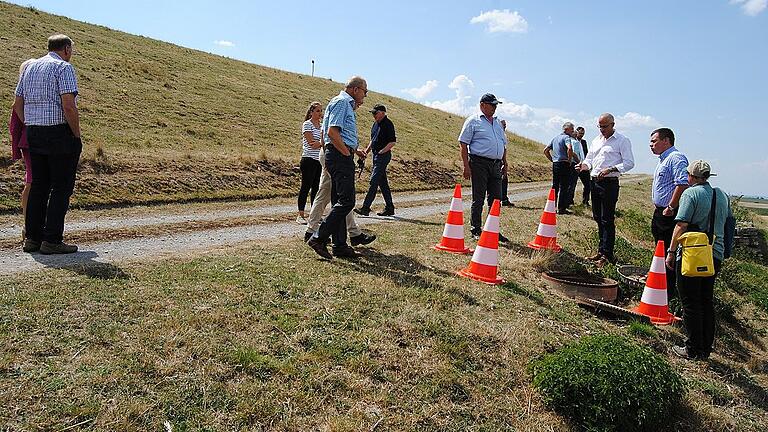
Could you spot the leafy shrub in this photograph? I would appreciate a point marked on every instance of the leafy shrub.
(606, 382)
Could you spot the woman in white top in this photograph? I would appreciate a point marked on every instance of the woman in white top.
(312, 142)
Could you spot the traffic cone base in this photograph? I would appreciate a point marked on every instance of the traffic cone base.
(546, 234)
(453, 234)
(653, 303)
(484, 264)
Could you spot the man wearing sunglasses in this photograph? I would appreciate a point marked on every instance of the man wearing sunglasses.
(340, 140)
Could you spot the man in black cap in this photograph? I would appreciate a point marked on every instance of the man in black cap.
(382, 140)
(483, 148)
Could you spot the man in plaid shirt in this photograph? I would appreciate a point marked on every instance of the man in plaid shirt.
(46, 103)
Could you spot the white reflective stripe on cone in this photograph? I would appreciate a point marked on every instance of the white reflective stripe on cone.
(484, 255)
(655, 297)
(492, 224)
(658, 266)
(457, 205)
(550, 207)
(453, 231)
(547, 230)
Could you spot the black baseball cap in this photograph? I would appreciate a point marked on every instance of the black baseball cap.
(378, 107)
(489, 98)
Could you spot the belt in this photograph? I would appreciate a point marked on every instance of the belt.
(616, 179)
(58, 126)
(483, 158)
(331, 147)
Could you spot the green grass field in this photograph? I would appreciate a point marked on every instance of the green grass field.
(163, 123)
(267, 337)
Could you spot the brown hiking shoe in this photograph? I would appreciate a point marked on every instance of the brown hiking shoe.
(31, 246)
(47, 248)
(595, 257)
(319, 247)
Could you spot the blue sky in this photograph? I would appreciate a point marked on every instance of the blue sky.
(696, 66)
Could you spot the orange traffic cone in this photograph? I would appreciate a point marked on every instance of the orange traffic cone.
(546, 235)
(453, 234)
(653, 304)
(485, 260)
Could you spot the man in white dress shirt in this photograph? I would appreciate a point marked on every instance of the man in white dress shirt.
(609, 156)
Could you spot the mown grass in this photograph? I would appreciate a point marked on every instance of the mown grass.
(163, 123)
(264, 336)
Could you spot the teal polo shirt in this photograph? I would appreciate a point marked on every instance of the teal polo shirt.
(695, 203)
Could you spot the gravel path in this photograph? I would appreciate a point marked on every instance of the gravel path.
(104, 255)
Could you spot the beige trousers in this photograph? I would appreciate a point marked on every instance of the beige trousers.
(320, 205)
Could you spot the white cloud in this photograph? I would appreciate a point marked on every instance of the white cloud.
(224, 43)
(512, 110)
(633, 120)
(751, 7)
(423, 91)
(501, 21)
(461, 104)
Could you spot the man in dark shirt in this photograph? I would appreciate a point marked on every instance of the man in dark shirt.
(382, 140)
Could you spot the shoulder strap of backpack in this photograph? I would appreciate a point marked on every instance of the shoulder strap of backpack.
(711, 230)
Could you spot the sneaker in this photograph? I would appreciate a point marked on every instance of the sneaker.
(344, 252)
(387, 212)
(362, 239)
(503, 239)
(47, 248)
(308, 235)
(363, 211)
(319, 247)
(682, 351)
(476, 233)
(31, 246)
(301, 220)
(564, 212)
(507, 204)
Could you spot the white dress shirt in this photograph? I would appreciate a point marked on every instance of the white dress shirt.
(615, 151)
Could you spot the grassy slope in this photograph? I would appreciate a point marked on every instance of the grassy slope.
(266, 337)
(175, 123)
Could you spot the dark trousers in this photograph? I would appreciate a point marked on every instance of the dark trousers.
(379, 181)
(586, 181)
(342, 171)
(310, 180)
(54, 154)
(661, 228)
(605, 194)
(573, 179)
(561, 183)
(504, 188)
(697, 298)
(486, 178)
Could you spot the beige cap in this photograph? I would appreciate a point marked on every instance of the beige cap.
(700, 168)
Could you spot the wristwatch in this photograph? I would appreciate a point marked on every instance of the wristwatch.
(671, 208)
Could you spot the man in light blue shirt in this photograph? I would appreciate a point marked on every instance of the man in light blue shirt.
(669, 181)
(340, 139)
(483, 148)
(560, 152)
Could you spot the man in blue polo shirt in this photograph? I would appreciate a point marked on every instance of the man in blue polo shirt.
(483, 147)
(560, 153)
(669, 181)
(340, 139)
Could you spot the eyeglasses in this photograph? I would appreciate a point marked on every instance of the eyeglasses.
(365, 91)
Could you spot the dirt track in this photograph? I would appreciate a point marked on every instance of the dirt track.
(190, 242)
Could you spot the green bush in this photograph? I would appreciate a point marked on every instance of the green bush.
(608, 383)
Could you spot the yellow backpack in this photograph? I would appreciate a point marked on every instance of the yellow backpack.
(698, 259)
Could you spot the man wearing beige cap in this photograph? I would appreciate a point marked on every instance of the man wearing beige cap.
(697, 293)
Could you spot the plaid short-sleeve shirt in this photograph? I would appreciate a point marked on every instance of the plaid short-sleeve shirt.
(41, 86)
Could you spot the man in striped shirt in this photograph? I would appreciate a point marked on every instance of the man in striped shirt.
(669, 181)
(46, 103)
